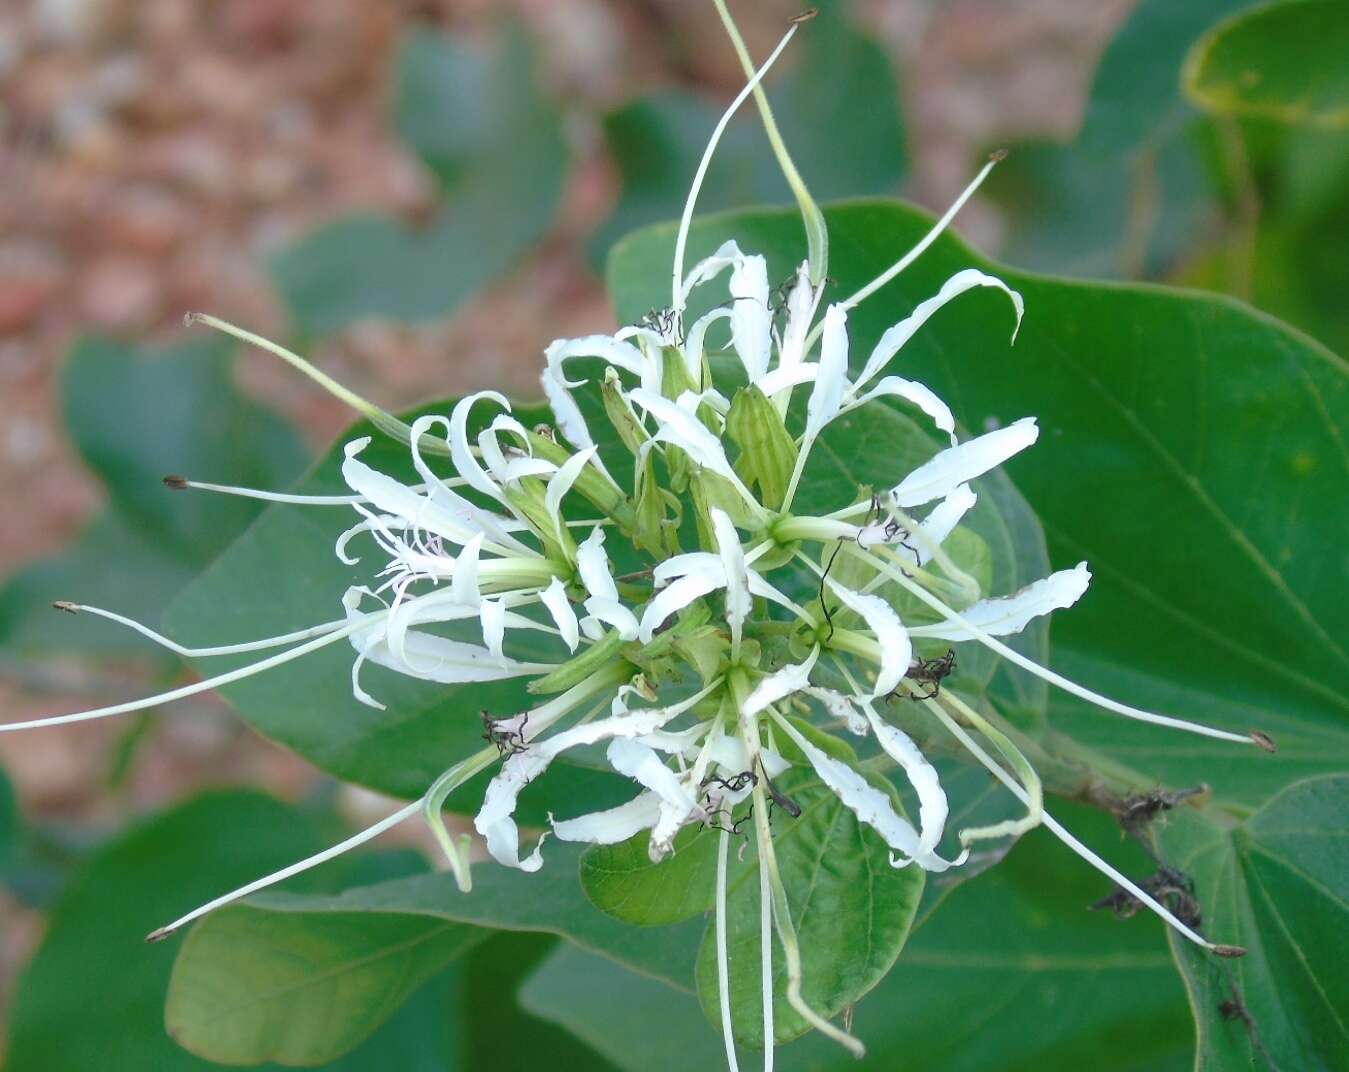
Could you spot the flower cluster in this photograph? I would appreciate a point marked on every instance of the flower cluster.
(655, 573)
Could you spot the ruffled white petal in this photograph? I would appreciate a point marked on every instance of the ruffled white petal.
(890, 343)
(933, 808)
(791, 678)
(612, 825)
(554, 598)
(957, 465)
(831, 381)
(920, 395)
(1011, 614)
(891, 636)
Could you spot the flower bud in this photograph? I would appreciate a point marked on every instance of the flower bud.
(767, 453)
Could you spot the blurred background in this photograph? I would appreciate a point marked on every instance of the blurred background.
(419, 197)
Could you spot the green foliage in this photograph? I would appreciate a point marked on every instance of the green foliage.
(136, 414)
(845, 132)
(1283, 61)
(1281, 878)
(493, 142)
(1013, 973)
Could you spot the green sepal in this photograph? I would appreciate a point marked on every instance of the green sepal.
(529, 498)
(767, 453)
(620, 413)
(593, 485)
(576, 669)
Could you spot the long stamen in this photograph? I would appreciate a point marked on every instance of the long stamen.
(197, 653)
(286, 872)
(723, 958)
(766, 943)
(1063, 835)
(383, 420)
(199, 686)
(1254, 737)
(817, 234)
(681, 240)
(182, 483)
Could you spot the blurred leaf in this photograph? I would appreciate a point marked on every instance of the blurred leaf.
(1283, 61)
(9, 824)
(1011, 974)
(1130, 195)
(1192, 452)
(1279, 884)
(494, 142)
(851, 909)
(251, 986)
(93, 995)
(136, 415)
(838, 112)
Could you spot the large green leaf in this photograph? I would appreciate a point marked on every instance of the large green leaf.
(1279, 884)
(1282, 61)
(851, 910)
(136, 415)
(494, 142)
(1192, 451)
(845, 132)
(1012, 974)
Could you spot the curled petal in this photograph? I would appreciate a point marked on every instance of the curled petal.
(1011, 614)
(464, 584)
(841, 707)
(492, 614)
(695, 344)
(957, 465)
(781, 683)
(554, 598)
(889, 344)
(727, 256)
(891, 636)
(676, 597)
(920, 395)
(751, 322)
(738, 601)
(680, 427)
(462, 455)
(593, 565)
(932, 805)
(638, 760)
(612, 825)
(800, 310)
(831, 380)
(945, 516)
(561, 483)
(613, 613)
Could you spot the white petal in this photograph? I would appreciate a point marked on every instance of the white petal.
(570, 421)
(493, 616)
(1011, 614)
(945, 516)
(738, 601)
(920, 395)
(871, 805)
(781, 683)
(689, 562)
(785, 376)
(638, 760)
(612, 825)
(751, 322)
(890, 343)
(389, 496)
(614, 613)
(554, 597)
(959, 464)
(460, 452)
(682, 429)
(593, 565)
(800, 309)
(932, 805)
(450, 662)
(676, 597)
(891, 636)
(561, 483)
(616, 352)
(726, 256)
(464, 584)
(841, 707)
(694, 345)
(495, 820)
(831, 381)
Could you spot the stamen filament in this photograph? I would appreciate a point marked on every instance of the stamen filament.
(199, 653)
(723, 957)
(1062, 682)
(387, 823)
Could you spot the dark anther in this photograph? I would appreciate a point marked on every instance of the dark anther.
(1136, 811)
(176, 482)
(998, 155)
(508, 742)
(805, 16)
(931, 672)
(1173, 888)
(733, 784)
(67, 606)
(781, 799)
(1264, 740)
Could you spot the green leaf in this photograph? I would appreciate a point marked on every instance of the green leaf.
(10, 830)
(851, 910)
(1277, 883)
(1282, 61)
(1192, 451)
(838, 112)
(135, 415)
(64, 1016)
(494, 142)
(250, 986)
(1130, 195)
(1012, 974)
(282, 575)
(622, 881)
